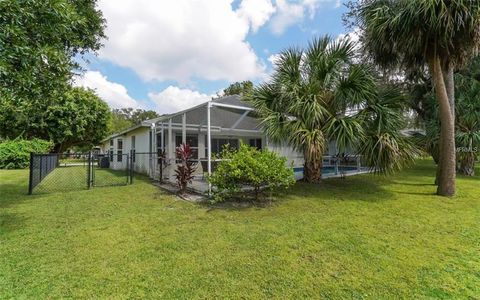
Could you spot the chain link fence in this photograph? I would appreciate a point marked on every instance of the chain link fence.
(59, 172)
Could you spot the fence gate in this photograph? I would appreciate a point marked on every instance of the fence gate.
(76, 171)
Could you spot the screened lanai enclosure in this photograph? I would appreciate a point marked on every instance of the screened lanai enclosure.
(208, 128)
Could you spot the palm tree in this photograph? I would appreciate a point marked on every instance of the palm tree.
(319, 94)
(468, 134)
(382, 145)
(467, 119)
(440, 34)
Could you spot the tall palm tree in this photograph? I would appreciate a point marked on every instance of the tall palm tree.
(319, 94)
(441, 34)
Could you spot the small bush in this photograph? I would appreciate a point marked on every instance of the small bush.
(15, 154)
(250, 172)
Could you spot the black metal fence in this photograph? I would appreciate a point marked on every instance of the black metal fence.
(76, 171)
(40, 166)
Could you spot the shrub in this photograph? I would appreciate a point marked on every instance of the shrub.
(186, 168)
(15, 154)
(249, 171)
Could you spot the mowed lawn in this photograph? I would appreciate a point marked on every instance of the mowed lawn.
(364, 237)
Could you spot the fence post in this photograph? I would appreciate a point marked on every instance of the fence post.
(336, 165)
(89, 183)
(30, 179)
(131, 166)
(161, 169)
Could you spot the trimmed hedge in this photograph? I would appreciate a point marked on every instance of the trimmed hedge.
(15, 154)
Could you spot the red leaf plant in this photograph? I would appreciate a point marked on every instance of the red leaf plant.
(186, 167)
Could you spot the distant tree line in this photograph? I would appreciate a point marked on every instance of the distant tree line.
(123, 118)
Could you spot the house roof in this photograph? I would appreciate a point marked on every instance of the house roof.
(145, 123)
(229, 112)
(221, 116)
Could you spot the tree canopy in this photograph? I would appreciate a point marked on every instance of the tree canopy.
(319, 94)
(123, 118)
(441, 35)
(41, 42)
(238, 88)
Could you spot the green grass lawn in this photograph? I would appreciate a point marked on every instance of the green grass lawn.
(363, 237)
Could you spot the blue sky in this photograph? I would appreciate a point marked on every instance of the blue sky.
(168, 55)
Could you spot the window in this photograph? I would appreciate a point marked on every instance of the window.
(110, 153)
(111, 143)
(219, 144)
(119, 149)
(256, 143)
(192, 140)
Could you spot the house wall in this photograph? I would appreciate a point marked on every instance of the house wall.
(142, 143)
(294, 158)
(143, 162)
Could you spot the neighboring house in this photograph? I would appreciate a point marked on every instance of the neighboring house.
(226, 120)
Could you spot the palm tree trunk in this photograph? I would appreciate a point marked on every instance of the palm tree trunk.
(448, 77)
(312, 167)
(467, 164)
(446, 182)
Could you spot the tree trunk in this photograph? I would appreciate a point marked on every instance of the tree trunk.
(312, 169)
(448, 77)
(467, 164)
(446, 182)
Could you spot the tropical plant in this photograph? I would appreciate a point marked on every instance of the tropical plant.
(384, 148)
(440, 34)
(186, 167)
(319, 95)
(467, 119)
(249, 171)
(467, 110)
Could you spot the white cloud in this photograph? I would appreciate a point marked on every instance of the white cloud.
(182, 40)
(273, 58)
(173, 99)
(115, 94)
(353, 35)
(256, 12)
(289, 13)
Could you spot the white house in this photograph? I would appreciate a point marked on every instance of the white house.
(206, 128)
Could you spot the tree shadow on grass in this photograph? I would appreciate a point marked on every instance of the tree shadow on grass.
(370, 188)
(367, 188)
(412, 183)
(10, 222)
(12, 195)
